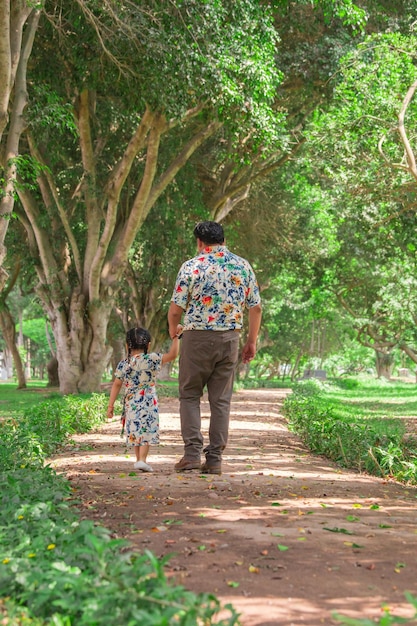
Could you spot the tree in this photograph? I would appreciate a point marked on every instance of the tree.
(18, 23)
(105, 143)
(8, 328)
(367, 165)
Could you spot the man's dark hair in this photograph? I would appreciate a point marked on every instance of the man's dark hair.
(209, 232)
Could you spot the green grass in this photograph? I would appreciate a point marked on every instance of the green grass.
(375, 399)
(15, 401)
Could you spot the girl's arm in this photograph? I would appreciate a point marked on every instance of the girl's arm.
(175, 347)
(117, 384)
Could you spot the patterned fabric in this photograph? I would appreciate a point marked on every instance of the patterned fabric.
(138, 374)
(214, 288)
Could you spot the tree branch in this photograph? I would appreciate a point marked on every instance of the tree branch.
(401, 129)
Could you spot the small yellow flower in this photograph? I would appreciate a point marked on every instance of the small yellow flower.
(51, 546)
(6, 560)
(20, 517)
(31, 555)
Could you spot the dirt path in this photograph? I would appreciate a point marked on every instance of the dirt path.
(285, 536)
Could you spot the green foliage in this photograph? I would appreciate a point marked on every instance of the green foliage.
(347, 383)
(34, 329)
(364, 436)
(30, 439)
(58, 570)
(68, 572)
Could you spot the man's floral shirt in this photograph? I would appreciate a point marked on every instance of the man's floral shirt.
(214, 288)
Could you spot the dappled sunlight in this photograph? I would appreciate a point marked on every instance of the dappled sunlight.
(285, 536)
(295, 610)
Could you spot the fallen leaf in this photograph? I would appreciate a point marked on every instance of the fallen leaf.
(253, 569)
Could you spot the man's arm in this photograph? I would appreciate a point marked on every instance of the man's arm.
(174, 318)
(255, 317)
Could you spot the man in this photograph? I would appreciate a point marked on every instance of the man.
(211, 291)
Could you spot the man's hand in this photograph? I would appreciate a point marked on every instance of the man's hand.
(249, 351)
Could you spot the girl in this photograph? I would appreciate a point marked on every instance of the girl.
(138, 375)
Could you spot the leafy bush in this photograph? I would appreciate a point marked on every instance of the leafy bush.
(356, 442)
(46, 426)
(308, 388)
(346, 383)
(59, 571)
(75, 573)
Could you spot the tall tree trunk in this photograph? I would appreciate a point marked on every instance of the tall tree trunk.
(82, 349)
(384, 364)
(8, 329)
(15, 51)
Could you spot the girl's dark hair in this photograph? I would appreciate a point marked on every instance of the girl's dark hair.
(137, 339)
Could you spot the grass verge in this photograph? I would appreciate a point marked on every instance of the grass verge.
(366, 426)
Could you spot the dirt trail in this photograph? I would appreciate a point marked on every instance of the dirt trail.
(285, 536)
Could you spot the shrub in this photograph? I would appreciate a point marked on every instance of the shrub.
(358, 443)
(74, 573)
(45, 427)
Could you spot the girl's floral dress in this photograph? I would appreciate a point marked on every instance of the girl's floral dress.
(138, 374)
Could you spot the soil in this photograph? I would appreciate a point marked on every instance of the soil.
(287, 537)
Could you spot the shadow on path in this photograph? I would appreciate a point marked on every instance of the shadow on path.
(285, 536)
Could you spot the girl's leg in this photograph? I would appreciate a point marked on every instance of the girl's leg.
(137, 452)
(143, 452)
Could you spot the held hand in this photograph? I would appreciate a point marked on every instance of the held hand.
(110, 411)
(248, 352)
(180, 328)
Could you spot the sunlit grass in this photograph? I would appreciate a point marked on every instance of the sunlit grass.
(374, 399)
(15, 401)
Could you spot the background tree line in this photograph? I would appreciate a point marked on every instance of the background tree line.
(291, 122)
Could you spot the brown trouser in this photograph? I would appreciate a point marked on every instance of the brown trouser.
(208, 357)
